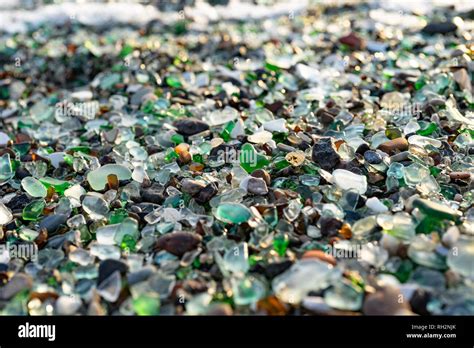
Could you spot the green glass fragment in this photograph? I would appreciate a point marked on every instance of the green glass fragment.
(83, 149)
(281, 163)
(429, 225)
(393, 133)
(310, 168)
(126, 50)
(180, 27)
(118, 215)
(171, 155)
(68, 159)
(254, 260)
(436, 210)
(182, 272)
(33, 210)
(147, 304)
(177, 138)
(404, 271)
(234, 213)
(148, 107)
(420, 83)
(435, 171)
(250, 160)
(428, 130)
(24, 124)
(174, 201)
(279, 137)
(225, 134)
(271, 67)
(59, 185)
(280, 244)
(198, 158)
(173, 81)
(448, 191)
(22, 148)
(128, 243)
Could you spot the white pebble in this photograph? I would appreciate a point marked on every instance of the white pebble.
(260, 137)
(451, 236)
(347, 180)
(4, 138)
(375, 205)
(82, 95)
(390, 243)
(278, 125)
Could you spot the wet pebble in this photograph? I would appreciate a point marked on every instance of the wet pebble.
(439, 27)
(325, 154)
(372, 157)
(206, 193)
(52, 222)
(190, 126)
(16, 284)
(107, 267)
(257, 186)
(178, 243)
(385, 301)
(153, 194)
(262, 174)
(192, 186)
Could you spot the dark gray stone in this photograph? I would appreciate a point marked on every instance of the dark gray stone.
(190, 126)
(325, 154)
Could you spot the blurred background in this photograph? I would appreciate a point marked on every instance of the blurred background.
(18, 15)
